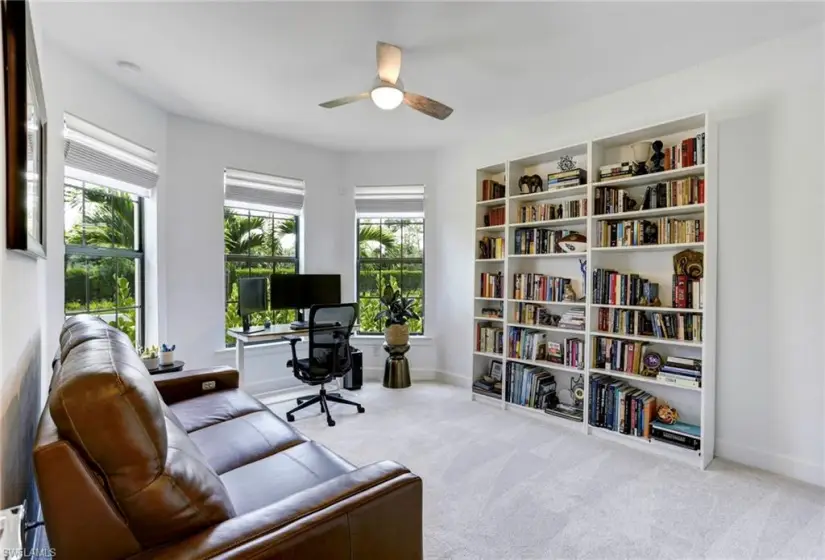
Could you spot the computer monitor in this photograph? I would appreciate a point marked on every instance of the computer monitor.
(302, 291)
(251, 298)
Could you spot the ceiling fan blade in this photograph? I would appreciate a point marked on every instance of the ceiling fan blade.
(428, 106)
(389, 61)
(344, 100)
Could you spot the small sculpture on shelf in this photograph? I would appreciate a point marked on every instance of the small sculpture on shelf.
(569, 294)
(567, 163)
(630, 204)
(641, 152)
(650, 234)
(559, 212)
(651, 364)
(690, 263)
(657, 158)
(536, 184)
(547, 319)
(656, 302)
(483, 250)
(524, 184)
(666, 414)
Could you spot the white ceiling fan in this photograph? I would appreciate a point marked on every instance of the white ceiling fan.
(388, 90)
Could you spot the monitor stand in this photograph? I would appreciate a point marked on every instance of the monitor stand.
(247, 328)
(299, 323)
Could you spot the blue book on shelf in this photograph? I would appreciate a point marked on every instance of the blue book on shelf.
(679, 428)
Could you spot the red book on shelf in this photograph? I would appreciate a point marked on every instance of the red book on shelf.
(684, 162)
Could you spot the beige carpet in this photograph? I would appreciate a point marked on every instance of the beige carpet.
(502, 486)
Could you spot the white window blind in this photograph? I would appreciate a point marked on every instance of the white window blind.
(98, 156)
(388, 200)
(265, 192)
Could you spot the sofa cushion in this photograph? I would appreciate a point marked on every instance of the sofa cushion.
(105, 404)
(213, 408)
(245, 439)
(275, 477)
(82, 328)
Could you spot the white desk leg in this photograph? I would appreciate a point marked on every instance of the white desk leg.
(239, 363)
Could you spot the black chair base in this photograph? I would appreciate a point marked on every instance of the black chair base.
(299, 400)
(324, 398)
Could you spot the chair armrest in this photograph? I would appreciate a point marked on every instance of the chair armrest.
(182, 385)
(371, 512)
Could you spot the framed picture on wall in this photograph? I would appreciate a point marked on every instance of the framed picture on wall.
(25, 133)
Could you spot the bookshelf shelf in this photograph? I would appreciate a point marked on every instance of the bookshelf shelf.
(675, 247)
(551, 223)
(641, 379)
(650, 339)
(550, 256)
(646, 308)
(653, 178)
(546, 328)
(568, 192)
(654, 213)
(685, 141)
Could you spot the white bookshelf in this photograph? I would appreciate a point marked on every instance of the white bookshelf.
(695, 405)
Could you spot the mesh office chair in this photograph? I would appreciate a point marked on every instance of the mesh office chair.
(330, 327)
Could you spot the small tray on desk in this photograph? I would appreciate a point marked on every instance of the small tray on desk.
(177, 365)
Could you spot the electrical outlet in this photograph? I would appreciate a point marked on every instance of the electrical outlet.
(208, 385)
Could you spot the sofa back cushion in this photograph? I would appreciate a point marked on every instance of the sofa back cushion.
(104, 402)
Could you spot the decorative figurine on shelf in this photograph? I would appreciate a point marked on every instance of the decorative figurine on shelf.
(630, 204)
(524, 184)
(651, 364)
(641, 152)
(486, 220)
(567, 163)
(656, 302)
(569, 294)
(536, 184)
(559, 212)
(657, 158)
(575, 242)
(548, 319)
(667, 414)
(650, 234)
(577, 390)
(689, 262)
(483, 252)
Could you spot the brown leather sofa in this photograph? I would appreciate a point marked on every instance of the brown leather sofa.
(187, 465)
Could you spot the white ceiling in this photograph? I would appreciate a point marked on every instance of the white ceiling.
(265, 66)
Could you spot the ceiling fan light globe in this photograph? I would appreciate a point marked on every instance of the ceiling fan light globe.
(387, 97)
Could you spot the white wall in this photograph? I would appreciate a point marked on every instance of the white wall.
(769, 103)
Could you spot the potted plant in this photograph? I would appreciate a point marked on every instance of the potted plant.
(150, 357)
(397, 311)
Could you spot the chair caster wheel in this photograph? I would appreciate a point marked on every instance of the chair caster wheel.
(361, 410)
(330, 423)
(290, 418)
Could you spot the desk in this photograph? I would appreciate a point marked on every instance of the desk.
(275, 333)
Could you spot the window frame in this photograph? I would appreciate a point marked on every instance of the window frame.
(400, 261)
(138, 254)
(270, 260)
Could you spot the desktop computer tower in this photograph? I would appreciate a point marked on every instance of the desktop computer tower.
(355, 377)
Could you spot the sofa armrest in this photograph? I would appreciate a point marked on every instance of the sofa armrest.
(371, 512)
(182, 385)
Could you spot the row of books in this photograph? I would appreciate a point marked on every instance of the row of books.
(613, 288)
(660, 231)
(620, 407)
(538, 241)
(489, 339)
(573, 352)
(539, 287)
(527, 344)
(530, 314)
(491, 285)
(618, 355)
(496, 216)
(670, 326)
(682, 372)
(687, 292)
(687, 153)
(684, 192)
(491, 248)
(491, 190)
(542, 212)
(530, 386)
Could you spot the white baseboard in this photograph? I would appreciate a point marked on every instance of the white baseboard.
(455, 379)
(377, 374)
(779, 464)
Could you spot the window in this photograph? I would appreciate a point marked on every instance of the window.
(257, 243)
(104, 255)
(390, 251)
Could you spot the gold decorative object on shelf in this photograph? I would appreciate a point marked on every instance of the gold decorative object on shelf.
(667, 414)
(690, 263)
(569, 294)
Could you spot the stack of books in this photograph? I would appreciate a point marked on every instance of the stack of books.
(487, 388)
(563, 179)
(615, 170)
(687, 292)
(624, 356)
(613, 288)
(573, 319)
(496, 216)
(494, 246)
(490, 339)
(538, 241)
(530, 386)
(631, 233)
(491, 190)
(543, 212)
(682, 372)
(492, 285)
(539, 287)
(619, 407)
(527, 345)
(681, 434)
